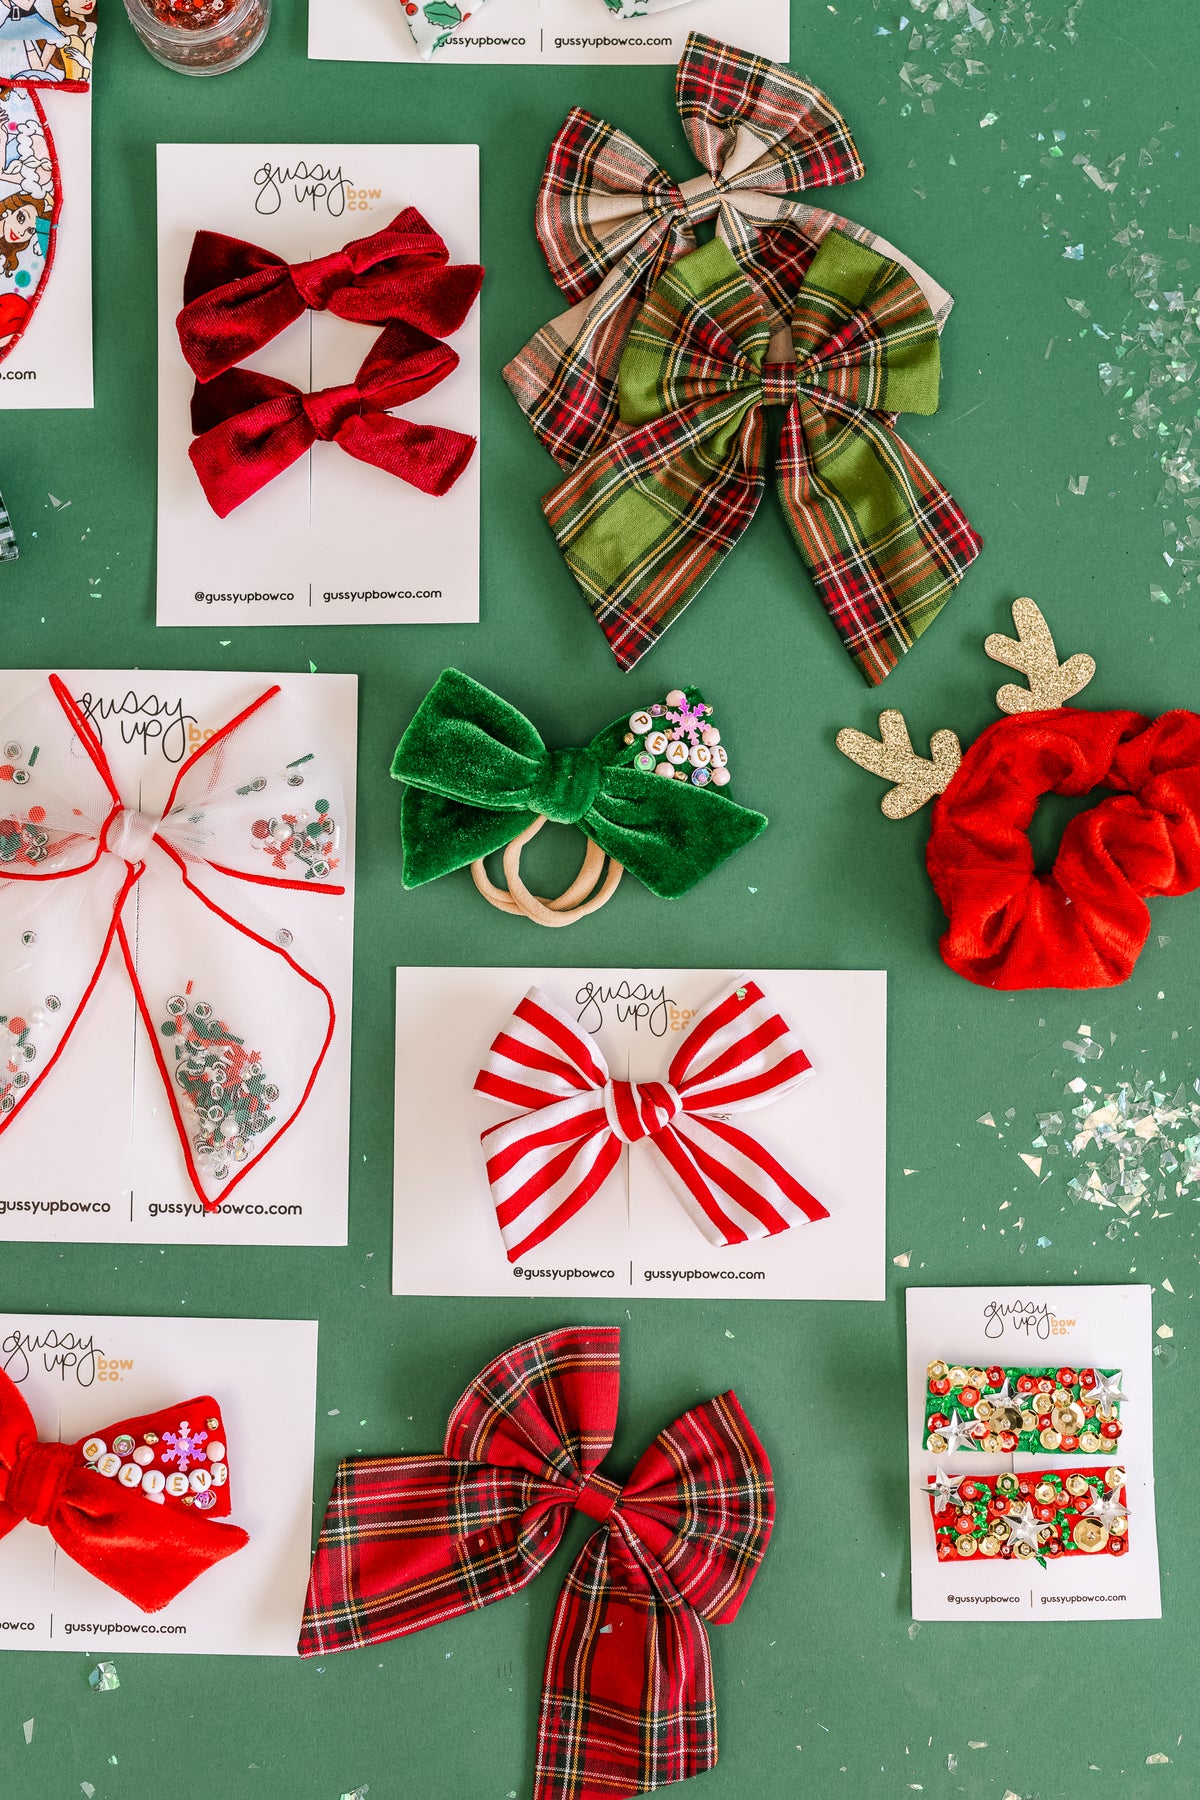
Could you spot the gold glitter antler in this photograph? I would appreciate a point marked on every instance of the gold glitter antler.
(1032, 654)
(891, 755)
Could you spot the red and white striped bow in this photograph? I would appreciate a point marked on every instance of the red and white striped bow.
(547, 1163)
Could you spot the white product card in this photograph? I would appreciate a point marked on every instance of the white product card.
(80, 1375)
(51, 365)
(545, 31)
(633, 1237)
(332, 540)
(93, 1156)
(1030, 1328)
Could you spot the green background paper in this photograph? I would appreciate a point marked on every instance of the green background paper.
(821, 1689)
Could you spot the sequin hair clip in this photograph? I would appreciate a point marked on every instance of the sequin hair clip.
(1084, 922)
(1001, 1410)
(1040, 1516)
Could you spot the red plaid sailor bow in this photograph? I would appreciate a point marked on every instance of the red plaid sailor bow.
(611, 221)
(238, 296)
(258, 806)
(135, 1505)
(251, 427)
(411, 1541)
(547, 1163)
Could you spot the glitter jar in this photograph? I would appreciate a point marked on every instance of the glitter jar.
(200, 37)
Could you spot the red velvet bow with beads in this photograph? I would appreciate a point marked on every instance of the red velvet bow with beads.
(238, 296)
(251, 427)
(135, 1504)
(410, 1541)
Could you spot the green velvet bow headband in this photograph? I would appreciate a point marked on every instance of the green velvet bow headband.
(647, 792)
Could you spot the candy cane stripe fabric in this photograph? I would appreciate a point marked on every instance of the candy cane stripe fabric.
(547, 1162)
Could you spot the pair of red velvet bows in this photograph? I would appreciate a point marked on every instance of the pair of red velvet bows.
(250, 427)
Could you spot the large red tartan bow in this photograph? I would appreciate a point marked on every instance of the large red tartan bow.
(238, 296)
(410, 1541)
(111, 1501)
(251, 427)
(546, 1164)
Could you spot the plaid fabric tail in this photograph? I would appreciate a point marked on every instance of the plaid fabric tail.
(627, 1701)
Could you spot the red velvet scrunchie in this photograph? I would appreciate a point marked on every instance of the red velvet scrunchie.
(1084, 923)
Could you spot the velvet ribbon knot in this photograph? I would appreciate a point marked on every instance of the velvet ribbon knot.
(566, 787)
(644, 523)
(555, 1154)
(410, 1541)
(238, 296)
(476, 770)
(147, 1552)
(250, 427)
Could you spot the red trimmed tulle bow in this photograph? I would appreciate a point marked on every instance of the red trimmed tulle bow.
(237, 1026)
(548, 1162)
(410, 1541)
(238, 296)
(251, 427)
(135, 1504)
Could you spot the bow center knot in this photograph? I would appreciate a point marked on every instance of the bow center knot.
(131, 834)
(640, 1109)
(566, 786)
(37, 1479)
(329, 408)
(780, 383)
(318, 281)
(700, 199)
(597, 1498)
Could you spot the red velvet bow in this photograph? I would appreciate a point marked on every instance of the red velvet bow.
(627, 1702)
(128, 1530)
(251, 427)
(238, 296)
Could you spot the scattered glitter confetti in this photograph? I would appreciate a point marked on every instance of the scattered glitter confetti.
(359, 1793)
(902, 1261)
(1032, 1162)
(88, 1790)
(27, 1728)
(989, 118)
(1138, 1145)
(104, 1678)
(1156, 1759)
(1164, 1331)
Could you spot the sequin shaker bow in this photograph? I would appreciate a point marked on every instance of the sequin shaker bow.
(411, 1541)
(546, 1163)
(251, 427)
(644, 524)
(115, 1504)
(237, 297)
(258, 806)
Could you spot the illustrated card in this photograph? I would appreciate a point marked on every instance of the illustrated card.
(1040, 1451)
(333, 540)
(78, 1376)
(213, 1046)
(46, 249)
(542, 31)
(635, 1236)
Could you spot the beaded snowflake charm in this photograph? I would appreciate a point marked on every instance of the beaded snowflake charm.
(680, 742)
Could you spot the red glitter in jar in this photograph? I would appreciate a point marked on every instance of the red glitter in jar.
(200, 37)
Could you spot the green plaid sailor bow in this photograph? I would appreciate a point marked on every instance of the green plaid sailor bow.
(644, 522)
(477, 771)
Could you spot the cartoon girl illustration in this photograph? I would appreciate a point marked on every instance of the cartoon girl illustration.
(73, 59)
(23, 221)
(34, 25)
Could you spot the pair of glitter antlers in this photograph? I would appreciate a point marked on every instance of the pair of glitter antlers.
(1038, 1514)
